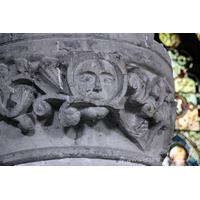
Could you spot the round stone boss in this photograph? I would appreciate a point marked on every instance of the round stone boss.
(98, 79)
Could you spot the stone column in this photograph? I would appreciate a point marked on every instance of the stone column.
(85, 99)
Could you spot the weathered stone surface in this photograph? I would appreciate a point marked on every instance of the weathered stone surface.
(96, 96)
(80, 162)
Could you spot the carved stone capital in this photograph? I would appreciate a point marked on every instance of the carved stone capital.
(97, 96)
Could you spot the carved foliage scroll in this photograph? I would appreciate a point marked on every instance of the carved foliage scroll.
(86, 87)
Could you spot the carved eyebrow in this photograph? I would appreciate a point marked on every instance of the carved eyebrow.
(107, 73)
(87, 72)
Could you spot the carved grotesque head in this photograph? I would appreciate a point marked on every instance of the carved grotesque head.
(96, 79)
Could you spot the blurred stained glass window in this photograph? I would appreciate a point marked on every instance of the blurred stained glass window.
(170, 40)
(187, 125)
(198, 35)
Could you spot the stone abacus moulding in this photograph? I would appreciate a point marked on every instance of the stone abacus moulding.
(96, 96)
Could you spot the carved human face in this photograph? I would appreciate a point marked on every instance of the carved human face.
(96, 79)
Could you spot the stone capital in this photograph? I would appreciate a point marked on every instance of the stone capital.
(85, 96)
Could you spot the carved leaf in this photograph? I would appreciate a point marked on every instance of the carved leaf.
(3, 71)
(42, 108)
(134, 125)
(5, 93)
(94, 113)
(48, 68)
(139, 87)
(22, 65)
(15, 101)
(26, 124)
(69, 116)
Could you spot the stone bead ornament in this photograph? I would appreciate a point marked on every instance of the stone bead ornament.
(98, 96)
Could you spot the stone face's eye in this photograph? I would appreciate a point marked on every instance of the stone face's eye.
(87, 78)
(107, 78)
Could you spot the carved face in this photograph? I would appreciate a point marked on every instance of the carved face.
(96, 79)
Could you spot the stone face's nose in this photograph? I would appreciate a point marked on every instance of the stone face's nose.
(97, 87)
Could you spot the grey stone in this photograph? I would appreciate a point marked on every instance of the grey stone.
(102, 97)
(80, 162)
